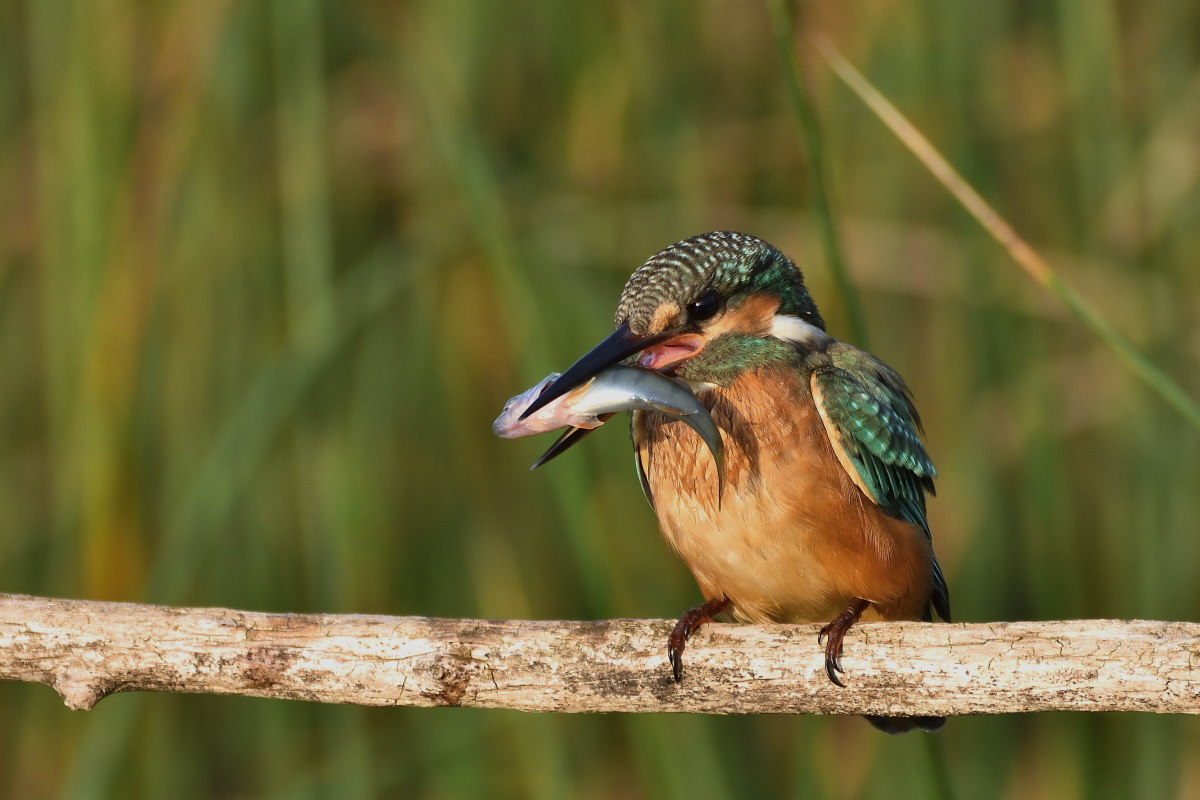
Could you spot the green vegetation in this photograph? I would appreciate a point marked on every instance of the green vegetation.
(268, 271)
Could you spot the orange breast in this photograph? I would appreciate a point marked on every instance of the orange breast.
(794, 539)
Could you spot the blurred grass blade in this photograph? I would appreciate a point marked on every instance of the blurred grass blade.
(266, 407)
(814, 162)
(1020, 250)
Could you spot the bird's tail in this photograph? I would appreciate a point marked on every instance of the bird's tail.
(905, 724)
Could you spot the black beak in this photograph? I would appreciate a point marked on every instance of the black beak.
(619, 345)
(569, 438)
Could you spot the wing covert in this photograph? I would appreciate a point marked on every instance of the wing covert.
(874, 429)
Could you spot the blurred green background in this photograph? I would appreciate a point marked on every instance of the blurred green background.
(269, 270)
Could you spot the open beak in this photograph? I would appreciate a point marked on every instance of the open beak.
(621, 388)
(612, 388)
(617, 346)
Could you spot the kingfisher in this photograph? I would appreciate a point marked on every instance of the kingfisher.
(821, 516)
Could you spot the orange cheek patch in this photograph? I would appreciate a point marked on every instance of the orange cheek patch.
(754, 316)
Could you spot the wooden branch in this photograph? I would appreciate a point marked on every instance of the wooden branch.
(87, 650)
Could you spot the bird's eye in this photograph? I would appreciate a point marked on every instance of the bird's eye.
(704, 308)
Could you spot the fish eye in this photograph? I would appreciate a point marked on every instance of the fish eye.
(705, 307)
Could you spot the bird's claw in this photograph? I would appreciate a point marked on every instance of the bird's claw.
(832, 635)
(688, 622)
(675, 656)
(833, 667)
(833, 653)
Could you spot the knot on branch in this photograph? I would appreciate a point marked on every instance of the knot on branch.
(449, 677)
(80, 690)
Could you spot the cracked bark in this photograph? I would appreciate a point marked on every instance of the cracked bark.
(87, 650)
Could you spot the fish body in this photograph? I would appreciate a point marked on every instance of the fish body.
(617, 388)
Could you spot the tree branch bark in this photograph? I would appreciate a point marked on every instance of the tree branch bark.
(87, 650)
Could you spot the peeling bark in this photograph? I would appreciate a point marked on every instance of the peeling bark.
(87, 650)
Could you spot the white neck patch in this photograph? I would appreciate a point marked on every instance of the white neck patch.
(794, 329)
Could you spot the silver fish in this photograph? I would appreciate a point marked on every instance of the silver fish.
(561, 413)
(617, 388)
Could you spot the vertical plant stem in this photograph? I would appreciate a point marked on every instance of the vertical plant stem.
(814, 161)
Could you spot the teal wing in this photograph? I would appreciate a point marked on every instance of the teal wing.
(871, 408)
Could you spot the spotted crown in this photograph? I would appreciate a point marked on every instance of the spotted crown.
(721, 261)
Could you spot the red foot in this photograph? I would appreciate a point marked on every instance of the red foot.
(692, 619)
(836, 631)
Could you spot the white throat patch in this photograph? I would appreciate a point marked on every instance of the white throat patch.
(794, 329)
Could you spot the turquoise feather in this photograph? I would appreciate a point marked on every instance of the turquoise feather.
(870, 406)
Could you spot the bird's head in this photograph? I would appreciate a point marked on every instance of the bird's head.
(704, 309)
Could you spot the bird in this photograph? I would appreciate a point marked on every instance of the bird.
(822, 515)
